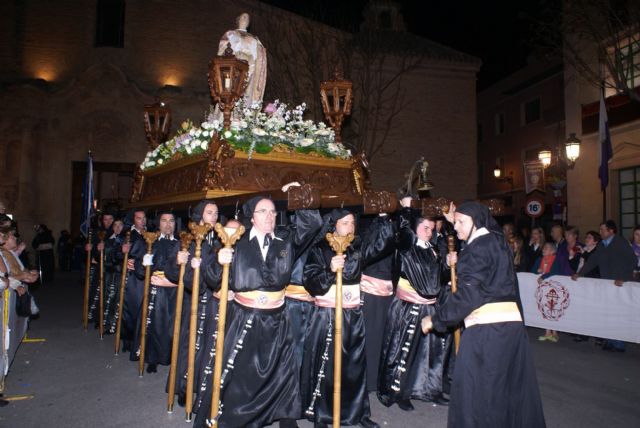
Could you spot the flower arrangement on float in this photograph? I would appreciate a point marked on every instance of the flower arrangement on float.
(253, 130)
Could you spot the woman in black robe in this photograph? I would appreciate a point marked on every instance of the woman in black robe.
(162, 295)
(260, 379)
(494, 383)
(317, 365)
(412, 364)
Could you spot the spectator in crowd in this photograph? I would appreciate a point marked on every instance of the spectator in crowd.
(43, 243)
(616, 260)
(574, 247)
(65, 247)
(562, 250)
(635, 245)
(534, 248)
(520, 255)
(509, 231)
(591, 239)
(546, 266)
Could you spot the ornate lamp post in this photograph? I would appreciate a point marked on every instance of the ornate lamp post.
(227, 81)
(568, 156)
(157, 123)
(336, 97)
(572, 149)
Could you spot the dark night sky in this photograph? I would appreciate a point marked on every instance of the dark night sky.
(496, 31)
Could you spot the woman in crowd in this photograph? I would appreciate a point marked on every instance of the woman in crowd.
(534, 248)
(573, 246)
(591, 239)
(546, 266)
(520, 255)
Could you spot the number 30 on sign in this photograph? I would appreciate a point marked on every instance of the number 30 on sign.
(534, 207)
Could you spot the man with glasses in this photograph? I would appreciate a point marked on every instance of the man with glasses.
(260, 379)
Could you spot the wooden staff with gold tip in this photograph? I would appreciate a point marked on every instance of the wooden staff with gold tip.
(123, 282)
(339, 244)
(150, 238)
(185, 241)
(228, 242)
(101, 236)
(199, 232)
(87, 282)
(451, 244)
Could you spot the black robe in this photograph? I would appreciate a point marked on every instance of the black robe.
(412, 364)
(94, 276)
(161, 308)
(205, 324)
(133, 291)
(494, 382)
(112, 276)
(318, 279)
(261, 385)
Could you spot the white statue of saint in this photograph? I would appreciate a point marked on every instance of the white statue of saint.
(248, 47)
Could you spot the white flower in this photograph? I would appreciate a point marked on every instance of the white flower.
(188, 149)
(259, 132)
(152, 163)
(243, 124)
(322, 132)
(306, 142)
(198, 132)
(333, 148)
(160, 161)
(216, 124)
(204, 145)
(227, 134)
(192, 131)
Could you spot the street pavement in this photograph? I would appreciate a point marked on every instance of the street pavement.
(77, 381)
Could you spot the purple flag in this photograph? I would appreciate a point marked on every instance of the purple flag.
(604, 138)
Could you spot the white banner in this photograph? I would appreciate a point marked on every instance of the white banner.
(592, 307)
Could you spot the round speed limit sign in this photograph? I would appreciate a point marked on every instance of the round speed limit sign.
(534, 207)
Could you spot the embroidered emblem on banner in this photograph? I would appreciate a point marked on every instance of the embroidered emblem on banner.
(283, 254)
(552, 299)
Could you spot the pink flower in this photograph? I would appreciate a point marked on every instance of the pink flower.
(270, 108)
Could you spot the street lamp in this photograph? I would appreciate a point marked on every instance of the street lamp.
(572, 149)
(568, 156)
(545, 157)
(336, 97)
(227, 81)
(157, 123)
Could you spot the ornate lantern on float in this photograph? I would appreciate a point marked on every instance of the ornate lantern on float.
(336, 97)
(227, 81)
(157, 123)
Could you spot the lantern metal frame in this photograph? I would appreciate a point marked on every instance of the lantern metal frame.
(157, 123)
(336, 96)
(227, 81)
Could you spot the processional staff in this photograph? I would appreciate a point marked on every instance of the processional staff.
(123, 282)
(185, 241)
(150, 238)
(339, 244)
(451, 244)
(101, 236)
(228, 242)
(87, 281)
(199, 232)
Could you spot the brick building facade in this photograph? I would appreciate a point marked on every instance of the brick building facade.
(69, 87)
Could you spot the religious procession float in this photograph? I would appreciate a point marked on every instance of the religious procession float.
(245, 147)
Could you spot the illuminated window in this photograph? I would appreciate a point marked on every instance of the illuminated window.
(629, 200)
